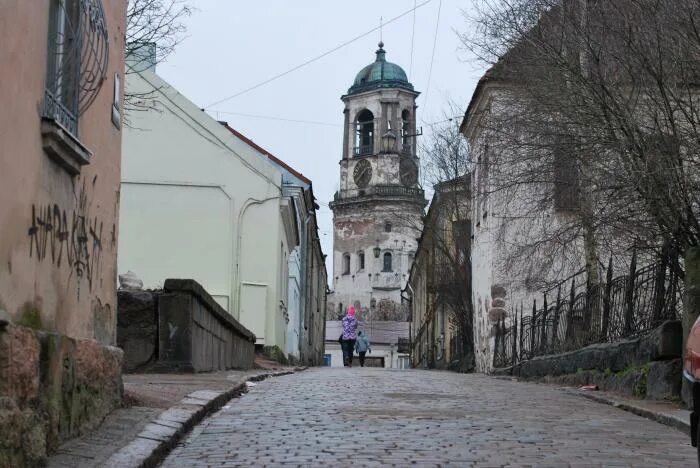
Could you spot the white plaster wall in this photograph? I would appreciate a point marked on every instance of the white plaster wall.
(188, 210)
(294, 304)
(498, 227)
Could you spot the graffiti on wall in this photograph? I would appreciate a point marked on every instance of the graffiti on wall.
(68, 237)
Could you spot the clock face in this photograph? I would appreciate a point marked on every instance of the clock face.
(362, 173)
(408, 172)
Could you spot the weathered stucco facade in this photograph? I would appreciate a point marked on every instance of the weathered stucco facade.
(59, 186)
(378, 208)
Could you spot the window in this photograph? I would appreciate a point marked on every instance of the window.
(77, 59)
(387, 227)
(565, 175)
(346, 264)
(76, 68)
(364, 133)
(360, 260)
(406, 132)
(63, 68)
(387, 262)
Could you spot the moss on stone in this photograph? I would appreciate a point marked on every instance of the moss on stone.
(276, 354)
(29, 316)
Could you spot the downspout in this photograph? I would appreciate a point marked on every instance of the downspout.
(239, 238)
(304, 281)
(410, 323)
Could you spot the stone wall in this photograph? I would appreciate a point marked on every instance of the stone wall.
(52, 388)
(137, 328)
(180, 328)
(648, 366)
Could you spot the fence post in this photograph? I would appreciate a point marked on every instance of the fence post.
(570, 314)
(543, 337)
(533, 328)
(660, 286)
(514, 337)
(606, 301)
(588, 311)
(520, 337)
(555, 325)
(496, 343)
(629, 295)
(503, 341)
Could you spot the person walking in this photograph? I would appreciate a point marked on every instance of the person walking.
(349, 336)
(362, 346)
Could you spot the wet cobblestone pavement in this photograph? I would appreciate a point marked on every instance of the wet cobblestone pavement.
(377, 417)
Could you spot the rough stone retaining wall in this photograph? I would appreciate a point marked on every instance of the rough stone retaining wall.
(648, 366)
(52, 388)
(181, 328)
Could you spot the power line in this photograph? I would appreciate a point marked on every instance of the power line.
(432, 57)
(413, 35)
(334, 49)
(269, 117)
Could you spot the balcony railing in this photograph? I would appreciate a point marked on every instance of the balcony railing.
(53, 109)
(385, 190)
(363, 150)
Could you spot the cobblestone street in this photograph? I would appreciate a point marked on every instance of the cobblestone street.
(324, 417)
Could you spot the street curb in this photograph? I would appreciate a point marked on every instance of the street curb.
(150, 447)
(666, 419)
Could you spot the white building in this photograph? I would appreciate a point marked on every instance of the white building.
(198, 201)
(306, 305)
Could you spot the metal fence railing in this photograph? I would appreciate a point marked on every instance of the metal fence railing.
(576, 315)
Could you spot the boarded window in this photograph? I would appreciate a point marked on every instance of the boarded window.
(387, 262)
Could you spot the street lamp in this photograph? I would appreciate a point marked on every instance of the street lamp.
(388, 142)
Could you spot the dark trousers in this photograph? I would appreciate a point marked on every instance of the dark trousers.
(362, 358)
(348, 348)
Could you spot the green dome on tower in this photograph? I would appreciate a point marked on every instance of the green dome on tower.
(380, 74)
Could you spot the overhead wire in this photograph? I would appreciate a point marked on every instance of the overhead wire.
(318, 57)
(269, 117)
(432, 57)
(413, 35)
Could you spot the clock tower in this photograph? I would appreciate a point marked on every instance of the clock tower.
(378, 207)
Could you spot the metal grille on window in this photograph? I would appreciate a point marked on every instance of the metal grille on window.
(77, 59)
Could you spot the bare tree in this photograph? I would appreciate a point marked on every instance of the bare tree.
(445, 237)
(599, 125)
(156, 24)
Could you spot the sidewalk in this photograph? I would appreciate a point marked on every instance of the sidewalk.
(159, 410)
(667, 413)
(670, 414)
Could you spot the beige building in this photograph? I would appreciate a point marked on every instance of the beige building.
(439, 285)
(60, 130)
(202, 201)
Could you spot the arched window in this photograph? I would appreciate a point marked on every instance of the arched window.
(364, 133)
(360, 260)
(346, 264)
(405, 132)
(387, 227)
(387, 262)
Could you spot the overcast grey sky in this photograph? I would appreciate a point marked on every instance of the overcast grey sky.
(232, 45)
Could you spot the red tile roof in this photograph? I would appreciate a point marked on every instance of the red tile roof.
(269, 155)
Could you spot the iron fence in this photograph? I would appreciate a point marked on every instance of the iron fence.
(576, 315)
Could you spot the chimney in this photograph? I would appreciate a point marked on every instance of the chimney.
(143, 58)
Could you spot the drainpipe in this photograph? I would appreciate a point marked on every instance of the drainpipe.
(304, 279)
(410, 336)
(239, 239)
